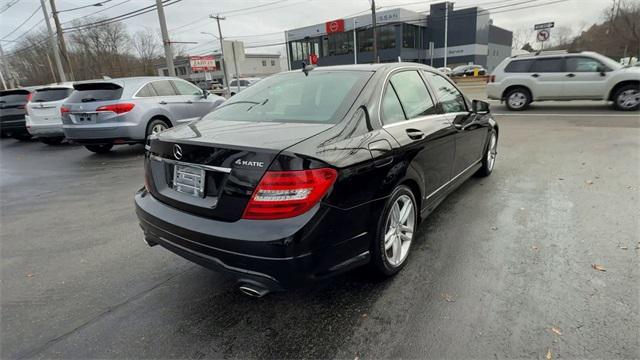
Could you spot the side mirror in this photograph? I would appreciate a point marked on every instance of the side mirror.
(205, 93)
(480, 107)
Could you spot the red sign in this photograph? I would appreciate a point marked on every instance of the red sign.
(202, 63)
(334, 26)
(313, 59)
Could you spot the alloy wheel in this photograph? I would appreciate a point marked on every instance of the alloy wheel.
(399, 230)
(160, 127)
(517, 100)
(629, 99)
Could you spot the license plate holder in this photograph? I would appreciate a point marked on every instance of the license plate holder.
(86, 118)
(188, 180)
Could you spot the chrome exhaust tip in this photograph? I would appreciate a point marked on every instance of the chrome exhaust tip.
(253, 290)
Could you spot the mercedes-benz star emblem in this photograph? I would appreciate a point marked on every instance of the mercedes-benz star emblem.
(177, 151)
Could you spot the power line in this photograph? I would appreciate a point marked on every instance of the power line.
(252, 7)
(121, 17)
(28, 30)
(8, 6)
(85, 6)
(97, 12)
(24, 22)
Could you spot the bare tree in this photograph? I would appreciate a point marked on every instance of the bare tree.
(147, 46)
(522, 36)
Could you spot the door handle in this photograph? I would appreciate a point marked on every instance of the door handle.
(189, 102)
(535, 75)
(571, 75)
(162, 102)
(415, 134)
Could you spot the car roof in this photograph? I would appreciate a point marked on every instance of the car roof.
(369, 67)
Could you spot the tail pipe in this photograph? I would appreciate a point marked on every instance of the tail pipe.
(253, 290)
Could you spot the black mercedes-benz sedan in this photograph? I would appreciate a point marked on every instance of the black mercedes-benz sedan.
(311, 173)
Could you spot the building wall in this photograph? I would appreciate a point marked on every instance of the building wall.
(252, 66)
(470, 33)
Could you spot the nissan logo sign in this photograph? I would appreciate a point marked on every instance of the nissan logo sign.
(177, 151)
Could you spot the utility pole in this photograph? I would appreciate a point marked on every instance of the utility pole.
(54, 43)
(168, 53)
(224, 62)
(375, 32)
(4, 67)
(286, 47)
(235, 64)
(63, 45)
(446, 30)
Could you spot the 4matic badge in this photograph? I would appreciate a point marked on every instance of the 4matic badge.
(249, 163)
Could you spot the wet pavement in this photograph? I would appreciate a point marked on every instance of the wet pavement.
(506, 267)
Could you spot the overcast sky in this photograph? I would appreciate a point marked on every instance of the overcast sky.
(265, 24)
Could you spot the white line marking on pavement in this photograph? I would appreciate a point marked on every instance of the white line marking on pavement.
(569, 114)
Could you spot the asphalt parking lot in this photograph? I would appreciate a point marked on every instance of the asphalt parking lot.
(540, 259)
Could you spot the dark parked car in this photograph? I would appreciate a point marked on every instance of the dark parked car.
(303, 176)
(12, 111)
(468, 70)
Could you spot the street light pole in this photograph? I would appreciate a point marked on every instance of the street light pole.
(224, 62)
(446, 30)
(54, 43)
(355, 44)
(168, 53)
(375, 33)
(63, 45)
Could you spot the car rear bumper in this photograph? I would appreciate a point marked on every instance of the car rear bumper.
(104, 133)
(13, 126)
(45, 130)
(493, 92)
(275, 254)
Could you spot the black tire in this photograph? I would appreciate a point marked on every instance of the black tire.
(155, 122)
(521, 101)
(52, 140)
(379, 259)
(99, 149)
(621, 101)
(22, 136)
(487, 163)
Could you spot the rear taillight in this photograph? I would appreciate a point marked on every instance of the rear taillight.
(117, 108)
(64, 110)
(29, 97)
(285, 194)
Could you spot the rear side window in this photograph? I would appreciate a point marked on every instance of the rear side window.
(451, 99)
(13, 96)
(89, 92)
(164, 88)
(413, 94)
(146, 91)
(185, 88)
(547, 65)
(519, 66)
(51, 94)
(391, 108)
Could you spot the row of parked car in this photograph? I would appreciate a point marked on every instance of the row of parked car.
(102, 113)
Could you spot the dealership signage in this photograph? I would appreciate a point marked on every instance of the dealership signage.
(202, 63)
(547, 25)
(334, 26)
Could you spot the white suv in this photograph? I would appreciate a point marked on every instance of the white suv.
(521, 79)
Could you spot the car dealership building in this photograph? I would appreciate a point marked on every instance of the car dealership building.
(404, 34)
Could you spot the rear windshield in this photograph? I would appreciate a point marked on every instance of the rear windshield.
(320, 97)
(13, 96)
(95, 92)
(51, 94)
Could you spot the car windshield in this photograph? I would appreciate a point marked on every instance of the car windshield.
(459, 68)
(51, 94)
(13, 96)
(320, 96)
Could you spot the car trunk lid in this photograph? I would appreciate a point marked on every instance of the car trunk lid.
(226, 159)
